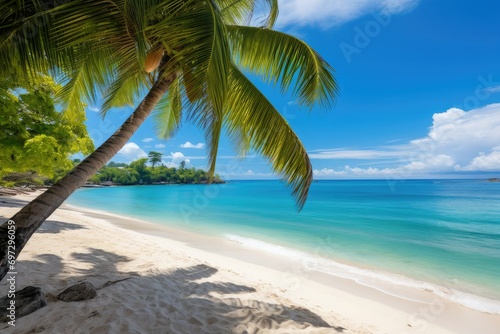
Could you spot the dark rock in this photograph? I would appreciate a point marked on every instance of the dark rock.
(27, 301)
(79, 291)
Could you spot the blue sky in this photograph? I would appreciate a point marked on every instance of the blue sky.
(419, 94)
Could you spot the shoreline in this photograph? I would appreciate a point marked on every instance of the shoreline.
(341, 302)
(301, 262)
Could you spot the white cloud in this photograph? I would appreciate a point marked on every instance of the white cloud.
(492, 90)
(356, 154)
(176, 158)
(248, 174)
(147, 140)
(484, 162)
(457, 141)
(169, 164)
(349, 172)
(462, 135)
(94, 109)
(328, 13)
(412, 169)
(131, 151)
(159, 146)
(191, 145)
(252, 173)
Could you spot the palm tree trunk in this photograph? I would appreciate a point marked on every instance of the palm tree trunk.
(31, 217)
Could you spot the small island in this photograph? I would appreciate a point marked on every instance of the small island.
(494, 179)
(139, 173)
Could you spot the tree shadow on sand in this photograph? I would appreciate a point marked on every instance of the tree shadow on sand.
(53, 226)
(177, 301)
(49, 226)
(7, 202)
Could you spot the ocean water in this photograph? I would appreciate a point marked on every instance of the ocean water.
(438, 235)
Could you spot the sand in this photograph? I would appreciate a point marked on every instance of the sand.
(152, 279)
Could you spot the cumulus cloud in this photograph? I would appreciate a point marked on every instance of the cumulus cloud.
(458, 140)
(175, 159)
(131, 151)
(462, 135)
(484, 162)
(94, 109)
(159, 146)
(147, 140)
(191, 145)
(328, 13)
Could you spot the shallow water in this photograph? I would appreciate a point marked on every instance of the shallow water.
(439, 235)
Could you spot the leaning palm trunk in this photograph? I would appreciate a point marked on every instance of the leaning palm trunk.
(101, 45)
(31, 217)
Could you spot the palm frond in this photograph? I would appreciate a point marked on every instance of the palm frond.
(198, 39)
(99, 48)
(217, 84)
(85, 78)
(202, 114)
(284, 59)
(243, 11)
(273, 11)
(236, 11)
(24, 38)
(250, 116)
(113, 32)
(168, 113)
(123, 91)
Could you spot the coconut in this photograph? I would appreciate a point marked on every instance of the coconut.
(153, 59)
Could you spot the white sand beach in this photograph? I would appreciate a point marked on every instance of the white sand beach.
(154, 279)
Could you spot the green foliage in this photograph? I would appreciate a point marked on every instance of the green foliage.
(138, 165)
(23, 179)
(117, 164)
(99, 48)
(36, 136)
(139, 173)
(154, 158)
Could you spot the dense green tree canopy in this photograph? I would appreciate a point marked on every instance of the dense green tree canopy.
(139, 173)
(38, 136)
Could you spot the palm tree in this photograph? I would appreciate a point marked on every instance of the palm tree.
(154, 158)
(195, 53)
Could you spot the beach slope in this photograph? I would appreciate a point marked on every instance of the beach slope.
(158, 282)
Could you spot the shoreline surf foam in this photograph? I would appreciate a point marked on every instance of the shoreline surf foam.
(382, 281)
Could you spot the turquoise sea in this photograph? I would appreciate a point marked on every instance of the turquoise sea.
(438, 235)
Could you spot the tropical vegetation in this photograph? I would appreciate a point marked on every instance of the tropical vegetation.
(188, 59)
(38, 136)
(138, 172)
(154, 158)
